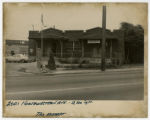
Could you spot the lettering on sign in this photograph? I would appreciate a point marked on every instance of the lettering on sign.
(93, 41)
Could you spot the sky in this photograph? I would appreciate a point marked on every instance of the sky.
(19, 18)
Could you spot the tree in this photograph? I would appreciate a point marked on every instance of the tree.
(134, 42)
(51, 62)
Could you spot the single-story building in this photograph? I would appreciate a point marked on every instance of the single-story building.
(79, 44)
(16, 46)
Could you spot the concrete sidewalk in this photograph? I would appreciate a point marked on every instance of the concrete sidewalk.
(64, 71)
(60, 71)
(31, 69)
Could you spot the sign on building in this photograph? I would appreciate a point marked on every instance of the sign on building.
(93, 41)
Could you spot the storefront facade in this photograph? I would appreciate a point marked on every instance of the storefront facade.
(77, 44)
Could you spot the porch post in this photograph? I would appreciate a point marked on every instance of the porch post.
(36, 47)
(73, 48)
(111, 49)
(82, 48)
(41, 44)
(61, 49)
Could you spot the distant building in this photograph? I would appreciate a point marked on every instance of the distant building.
(16, 46)
(78, 44)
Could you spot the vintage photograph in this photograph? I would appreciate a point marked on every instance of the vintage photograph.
(74, 51)
(95, 58)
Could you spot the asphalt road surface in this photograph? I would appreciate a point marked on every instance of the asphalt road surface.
(109, 85)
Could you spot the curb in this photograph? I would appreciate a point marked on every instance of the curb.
(77, 72)
(89, 71)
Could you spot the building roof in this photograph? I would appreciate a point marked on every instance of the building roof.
(16, 42)
(73, 34)
(47, 33)
(96, 33)
(53, 33)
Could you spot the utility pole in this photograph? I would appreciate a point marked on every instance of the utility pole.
(42, 24)
(41, 42)
(103, 62)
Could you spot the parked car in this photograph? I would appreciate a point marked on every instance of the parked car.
(17, 58)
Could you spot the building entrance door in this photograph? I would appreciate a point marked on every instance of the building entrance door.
(96, 52)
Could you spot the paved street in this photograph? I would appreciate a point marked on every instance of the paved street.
(109, 85)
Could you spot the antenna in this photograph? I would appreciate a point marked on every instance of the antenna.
(33, 27)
